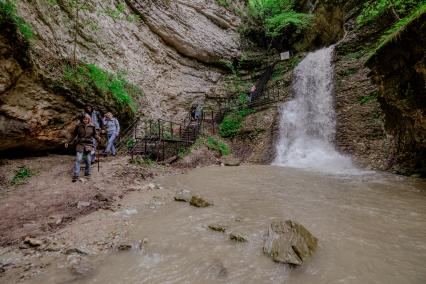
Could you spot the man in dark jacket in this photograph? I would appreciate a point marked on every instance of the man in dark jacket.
(96, 120)
(85, 135)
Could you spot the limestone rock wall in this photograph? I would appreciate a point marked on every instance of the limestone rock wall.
(168, 48)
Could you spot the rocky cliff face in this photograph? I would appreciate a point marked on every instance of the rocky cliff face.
(167, 48)
(360, 125)
(399, 69)
(380, 122)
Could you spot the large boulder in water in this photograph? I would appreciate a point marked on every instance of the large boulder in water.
(289, 242)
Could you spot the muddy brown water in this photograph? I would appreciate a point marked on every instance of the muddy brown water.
(371, 229)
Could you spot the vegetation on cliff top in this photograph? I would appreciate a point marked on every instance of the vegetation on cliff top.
(398, 8)
(8, 14)
(392, 33)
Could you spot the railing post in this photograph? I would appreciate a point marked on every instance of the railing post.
(213, 122)
(159, 128)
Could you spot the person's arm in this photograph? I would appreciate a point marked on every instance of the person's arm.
(73, 137)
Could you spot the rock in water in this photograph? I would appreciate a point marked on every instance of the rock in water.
(238, 237)
(289, 242)
(183, 195)
(198, 201)
(231, 162)
(217, 227)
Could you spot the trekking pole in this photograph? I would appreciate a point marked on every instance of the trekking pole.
(99, 157)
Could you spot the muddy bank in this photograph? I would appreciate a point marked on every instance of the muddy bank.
(48, 200)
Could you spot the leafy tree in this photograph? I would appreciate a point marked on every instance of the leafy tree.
(277, 15)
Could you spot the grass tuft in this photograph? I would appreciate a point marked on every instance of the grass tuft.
(218, 145)
(21, 175)
(9, 14)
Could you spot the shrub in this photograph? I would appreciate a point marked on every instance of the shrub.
(21, 175)
(8, 14)
(231, 124)
(277, 15)
(130, 143)
(143, 162)
(218, 145)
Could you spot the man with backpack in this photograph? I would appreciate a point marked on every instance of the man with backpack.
(112, 129)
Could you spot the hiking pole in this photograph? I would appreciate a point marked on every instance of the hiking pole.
(99, 157)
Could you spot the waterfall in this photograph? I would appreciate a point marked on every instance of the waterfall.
(307, 122)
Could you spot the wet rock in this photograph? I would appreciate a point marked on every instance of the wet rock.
(217, 227)
(30, 226)
(183, 195)
(80, 265)
(83, 204)
(75, 251)
(198, 201)
(32, 242)
(152, 186)
(124, 247)
(238, 237)
(102, 198)
(231, 162)
(218, 269)
(289, 242)
(54, 221)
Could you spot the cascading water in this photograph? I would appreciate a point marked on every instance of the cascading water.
(307, 123)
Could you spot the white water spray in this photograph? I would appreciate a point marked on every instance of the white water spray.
(307, 123)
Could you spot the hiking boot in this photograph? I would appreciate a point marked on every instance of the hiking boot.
(87, 174)
(74, 178)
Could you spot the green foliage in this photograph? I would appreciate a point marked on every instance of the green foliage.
(218, 145)
(231, 124)
(223, 3)
(349, 71)
(277, 15)
(142, 162)
(130, 143)
(368, 98)
(396, 28)
(357, 54)
(375, 9)
(90, 76)
(229, 65)
(389, 34)
(8, 14)
(22, 175)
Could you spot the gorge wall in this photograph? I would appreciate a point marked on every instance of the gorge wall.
(170, 49)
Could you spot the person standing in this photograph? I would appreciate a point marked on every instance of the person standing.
(84, 134)
(252, 93)
(112, 130)
(198, 113)
(96, 120)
